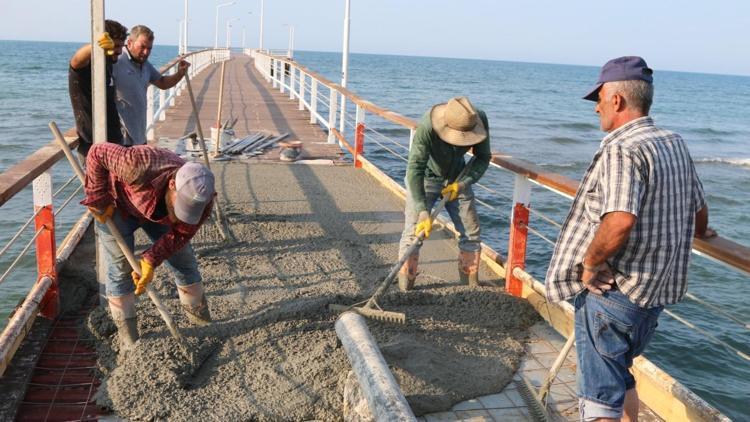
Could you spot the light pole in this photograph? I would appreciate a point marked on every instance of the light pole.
(260, 43)
(290, 47)
(185, 30)
(344, 62)
(180, 46)
(243, 34)
(216, 27)
(229, 32)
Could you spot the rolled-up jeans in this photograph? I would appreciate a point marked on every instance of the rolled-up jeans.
(610, 331)
(462, 212)
(118, 281)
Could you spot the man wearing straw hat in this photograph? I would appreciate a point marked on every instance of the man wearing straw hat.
(157, 191)
(436, 157)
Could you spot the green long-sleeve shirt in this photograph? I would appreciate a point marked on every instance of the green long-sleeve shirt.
(431, 157)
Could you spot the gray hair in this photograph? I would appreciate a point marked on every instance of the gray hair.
(638, 94)
(139, 30)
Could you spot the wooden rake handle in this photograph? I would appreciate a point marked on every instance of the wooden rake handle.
(165, 315)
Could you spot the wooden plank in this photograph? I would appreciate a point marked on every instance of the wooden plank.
(20, 175)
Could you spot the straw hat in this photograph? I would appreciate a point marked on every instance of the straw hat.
(457, 122)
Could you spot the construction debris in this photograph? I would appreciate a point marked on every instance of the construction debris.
(253, 144)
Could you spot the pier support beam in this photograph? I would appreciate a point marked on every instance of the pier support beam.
(377, 384)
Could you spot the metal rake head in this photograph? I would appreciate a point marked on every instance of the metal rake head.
(387, 316)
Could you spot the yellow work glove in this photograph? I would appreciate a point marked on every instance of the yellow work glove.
(424, 224)
(141, 281)
(102, 216)
(106, 43)
(451, 191)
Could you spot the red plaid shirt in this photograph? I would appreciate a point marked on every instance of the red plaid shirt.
(136, 179)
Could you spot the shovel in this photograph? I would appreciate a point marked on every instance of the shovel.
(128, 254)
(370, 308)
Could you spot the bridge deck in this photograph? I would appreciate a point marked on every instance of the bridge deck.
(255, 105)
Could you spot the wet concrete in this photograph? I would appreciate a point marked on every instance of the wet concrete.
(305, 237)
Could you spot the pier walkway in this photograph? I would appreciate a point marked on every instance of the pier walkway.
(253, 103)
(294, 222)
(301, 237)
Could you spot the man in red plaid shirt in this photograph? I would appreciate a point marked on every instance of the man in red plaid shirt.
(153, 189)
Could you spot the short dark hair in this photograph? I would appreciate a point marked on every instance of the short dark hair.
(116, 30)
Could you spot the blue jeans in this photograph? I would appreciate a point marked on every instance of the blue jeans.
(118, 281)
(610, 331)
(462, 211)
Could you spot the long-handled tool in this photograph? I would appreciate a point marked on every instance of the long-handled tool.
(219, 220)
(128, 253)
(552, 374)
(370, 307)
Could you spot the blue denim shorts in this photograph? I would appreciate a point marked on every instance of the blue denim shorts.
(610, 331)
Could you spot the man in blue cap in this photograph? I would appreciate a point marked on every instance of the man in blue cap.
(624, 249)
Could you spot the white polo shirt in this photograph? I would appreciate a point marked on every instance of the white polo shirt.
(131, 82)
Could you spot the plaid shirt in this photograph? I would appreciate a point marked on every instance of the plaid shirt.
(136, 179)
(647, 172)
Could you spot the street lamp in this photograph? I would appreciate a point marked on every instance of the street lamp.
(229, 33)
(290, 48)
(243, 33)
(344, 62)
(216, 27)
(185, 31)
(260, 43)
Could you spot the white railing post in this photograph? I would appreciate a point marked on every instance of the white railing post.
(291, 82)
(332, 116)
(313, 100)
(282, 76)
(150, 113)
(162, 101)
(301, 90)
(275, 71)
(342, 121)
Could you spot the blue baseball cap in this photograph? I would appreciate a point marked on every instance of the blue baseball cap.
(627, 68)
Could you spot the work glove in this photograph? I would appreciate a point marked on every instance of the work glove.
(102, 216)
(424, 224)
(106, 43)
(141, 281)
(451, 191)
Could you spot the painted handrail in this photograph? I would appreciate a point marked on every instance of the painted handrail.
(722, 250)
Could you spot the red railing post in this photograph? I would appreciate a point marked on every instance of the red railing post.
(359, 136)
(45, 243)
(518, 235)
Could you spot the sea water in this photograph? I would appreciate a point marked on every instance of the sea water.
(535, 113)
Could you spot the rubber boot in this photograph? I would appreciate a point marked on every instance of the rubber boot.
(122, 309)
(468, 268)
(408, 273)
(193, 301)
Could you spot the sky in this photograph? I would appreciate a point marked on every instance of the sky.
(693, 36)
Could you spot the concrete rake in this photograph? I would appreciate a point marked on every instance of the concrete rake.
(370, 307)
